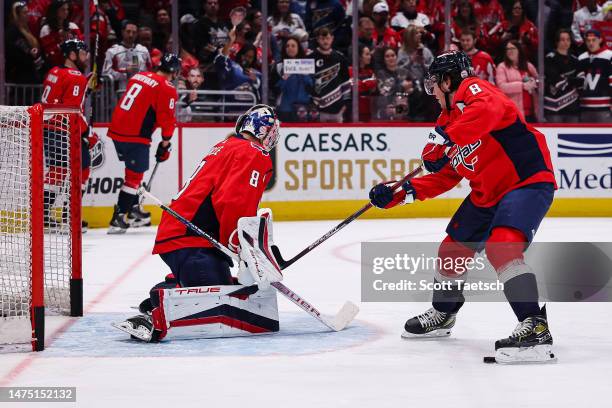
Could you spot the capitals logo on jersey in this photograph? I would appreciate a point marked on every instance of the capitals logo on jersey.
(465, 155)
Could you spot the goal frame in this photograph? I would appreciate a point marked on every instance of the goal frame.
(37, 307)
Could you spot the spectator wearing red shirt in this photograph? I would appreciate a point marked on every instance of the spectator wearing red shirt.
(57, 29)
(484, 67)
(519, 28)
(145, 38)
(383, 35)
(366, 82)
(490, 16)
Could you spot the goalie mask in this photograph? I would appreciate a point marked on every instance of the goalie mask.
(262, 123)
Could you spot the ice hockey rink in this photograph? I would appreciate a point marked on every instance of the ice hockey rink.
(305, 365)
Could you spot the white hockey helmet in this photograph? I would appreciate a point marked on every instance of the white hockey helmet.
(262, 123)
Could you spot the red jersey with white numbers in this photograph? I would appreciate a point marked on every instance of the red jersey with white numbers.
(149, 102)
(227, 185)
(495, 149)
(65, 86)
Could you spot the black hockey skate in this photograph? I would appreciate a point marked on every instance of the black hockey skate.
(140, 328)
(530, 342)
(138, 217)
(118, 224)
(432, 323)
(84, 226)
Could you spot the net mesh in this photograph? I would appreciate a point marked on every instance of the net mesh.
(15, 221)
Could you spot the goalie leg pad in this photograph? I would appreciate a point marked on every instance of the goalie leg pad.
(215, 311)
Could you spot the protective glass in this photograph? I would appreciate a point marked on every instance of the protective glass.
(429, 84)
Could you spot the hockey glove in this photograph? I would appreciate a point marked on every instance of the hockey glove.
(434, 157)
(163, 153)
(439, 137)
(383, 196)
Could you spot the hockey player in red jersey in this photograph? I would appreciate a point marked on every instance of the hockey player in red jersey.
(65, 85)
(228, 184)
(481, 136)
(149, 102)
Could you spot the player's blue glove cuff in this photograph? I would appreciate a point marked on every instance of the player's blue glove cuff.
(410, 192)
(439, 136)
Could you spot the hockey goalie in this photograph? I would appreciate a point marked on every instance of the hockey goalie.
(201, 298)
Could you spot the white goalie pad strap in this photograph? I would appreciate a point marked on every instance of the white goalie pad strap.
(218, 311)
(255, 235)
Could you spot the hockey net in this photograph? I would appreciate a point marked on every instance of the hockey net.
(40, 221)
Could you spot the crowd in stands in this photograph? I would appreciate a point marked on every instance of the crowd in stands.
(310, 52)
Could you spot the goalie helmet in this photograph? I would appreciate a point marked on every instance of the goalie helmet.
(262, 123)
(72, 45)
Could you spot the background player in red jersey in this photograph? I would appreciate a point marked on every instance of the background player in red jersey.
(480, 135)
(228, 184)
(148, 102)
(65, 85)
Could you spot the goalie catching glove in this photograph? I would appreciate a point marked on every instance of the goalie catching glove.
(257, 263)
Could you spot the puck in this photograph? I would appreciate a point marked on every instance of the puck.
(489, 360)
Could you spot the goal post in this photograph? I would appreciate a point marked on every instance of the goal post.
(40, 221)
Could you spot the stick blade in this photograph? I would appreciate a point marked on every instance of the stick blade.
(345, 316)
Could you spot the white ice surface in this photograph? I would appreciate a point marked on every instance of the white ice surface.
(368, 365)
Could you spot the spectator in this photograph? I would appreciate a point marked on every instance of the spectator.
(414, 56)
(383, 35)
(237, 15)
(56, 29)
(584, 19)
(293, 89)
(145, 37)
(284, 24)
(519, 28)
(366, 82)
(238, 75)
(465, 20)
(332, 89)
(517, 78)
(605, 26)
(114, 12)
(394, 86)
(560, 92)
(195, 106)
(163, 28)
(483, 64)
(408, 15)
(22, 48)
(490, 17)
(594, 68)
(126, 58)
(366, 32)
(206, 34)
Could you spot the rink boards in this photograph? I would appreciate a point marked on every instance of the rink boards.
(325, 171)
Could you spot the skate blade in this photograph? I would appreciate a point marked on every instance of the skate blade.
(539, 354)
(434, 334)
(140, 334)
(145, 222)
(116, 230)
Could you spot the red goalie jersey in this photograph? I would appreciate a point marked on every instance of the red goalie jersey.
(495, 149)
(65, 86)
(227, 185)
(148, 102)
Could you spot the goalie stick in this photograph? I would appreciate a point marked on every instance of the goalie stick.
(336, 323)
(286, 263)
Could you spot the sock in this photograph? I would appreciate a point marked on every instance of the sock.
(522, 294)
(449, 300)
(126, 201)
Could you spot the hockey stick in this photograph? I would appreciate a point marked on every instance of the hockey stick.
(147, 185)
(338, 322)
(286, 263)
